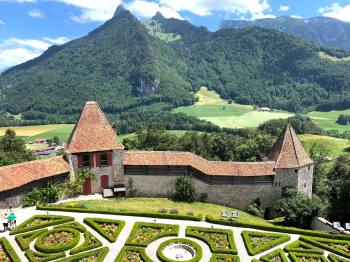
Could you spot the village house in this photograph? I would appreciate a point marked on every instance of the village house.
(94, 145)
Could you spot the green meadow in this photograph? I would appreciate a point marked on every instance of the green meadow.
(327, 120)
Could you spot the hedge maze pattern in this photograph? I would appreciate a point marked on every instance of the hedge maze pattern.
(62, 239)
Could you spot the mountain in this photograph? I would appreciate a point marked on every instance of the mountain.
(139, 71)
(324, 30)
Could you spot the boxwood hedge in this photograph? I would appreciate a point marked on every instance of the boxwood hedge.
(99, 255)
(280, 229)
(55, 220)
(197, 256)
(280, 239)
(213, 245)
(137, 250)
(295, 257)
(9, 250)
(302, 247)
(122, 213)
(94, 223)
(41, 247)
(76, 225)
(224, 257)
(276, 253)
(90, 242)
(25, 239)
(325, 244)
(173, 230)
(34, 256)
(334, 258)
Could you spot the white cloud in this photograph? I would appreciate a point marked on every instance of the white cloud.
(262, 16)
(207, 7)
(14, 51)
(283, 8)
(296, 16)
(337, 11)
(147, 9)
(36, 13)
(2, 22)
(93, 10)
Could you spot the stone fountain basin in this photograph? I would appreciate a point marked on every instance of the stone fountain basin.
(179, 252)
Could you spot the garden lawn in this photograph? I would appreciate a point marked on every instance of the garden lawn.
(154, 204)
(335, 146)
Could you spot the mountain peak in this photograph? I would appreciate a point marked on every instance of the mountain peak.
(158, 16)
(120, 9)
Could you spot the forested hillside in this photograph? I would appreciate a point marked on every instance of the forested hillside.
(139, 72)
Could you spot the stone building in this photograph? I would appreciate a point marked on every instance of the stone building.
(94, 145)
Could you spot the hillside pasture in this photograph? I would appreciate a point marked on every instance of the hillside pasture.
(328, 120)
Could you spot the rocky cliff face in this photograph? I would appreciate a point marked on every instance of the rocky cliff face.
(148, 86)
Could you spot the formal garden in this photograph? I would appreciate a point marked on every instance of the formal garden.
(70, 234)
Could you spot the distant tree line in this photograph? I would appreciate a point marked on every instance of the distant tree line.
(343, 119)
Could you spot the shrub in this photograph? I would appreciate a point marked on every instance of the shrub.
(203, 197)
(274, 254)
(218, 240)
(9, 250)
(334, 258)
(224, 257)
(75, 225)
(302, 247)
(90, 242)
(25, 239)
(143, 233)
(49, 194)
(295, 257)
(270, 240)
(40, 221)
(184, 189)
(198, 255)
(135, 251)
(44, 247)
(111, 234)
(97, 256)
(255, 208)
(34, 256)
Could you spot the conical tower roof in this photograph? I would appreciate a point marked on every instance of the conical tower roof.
(92, 132)
(288, 152)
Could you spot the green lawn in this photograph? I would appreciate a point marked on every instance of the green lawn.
(336, 146)
(327, 120)
(154, 204)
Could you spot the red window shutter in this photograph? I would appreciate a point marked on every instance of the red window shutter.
(110, 156)
(91, 160)
(80, 161)
(98, 160)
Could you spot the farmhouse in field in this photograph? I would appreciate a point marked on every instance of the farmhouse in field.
(94, 145)
(264, 109)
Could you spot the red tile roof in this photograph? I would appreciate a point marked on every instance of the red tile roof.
(214, 168)
(17, 175)
(92, 132)
(288, 152)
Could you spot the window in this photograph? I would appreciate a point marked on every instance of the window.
(309, 168)
(86, 160)
(296, 170)
(305, 185)
(104, 159)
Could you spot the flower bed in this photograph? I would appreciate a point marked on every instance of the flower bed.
(143, 234)
(90, 242)
(198, 250)
(302, 247)
(40, 221)
(57, 240)
(224, 258)
(339, 247)
(132, 254)
(7, 253)
(258, 242)
(306, 257)
(108, 228)
(25, 239)
(34, 256)
(219, 240)
(96, 255)
(274, 256)
(75, 225)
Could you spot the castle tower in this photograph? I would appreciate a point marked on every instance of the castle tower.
(93, 145)
(293, 165)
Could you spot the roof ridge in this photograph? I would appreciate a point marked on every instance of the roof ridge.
(32, 161)
(292, 132)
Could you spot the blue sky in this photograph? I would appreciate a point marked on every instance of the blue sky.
(29, 27)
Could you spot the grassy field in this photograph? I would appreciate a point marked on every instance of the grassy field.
(212, 108)
(154, 204)
(333, 58)
(335, 146)
(28, 131)
(327, 120)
